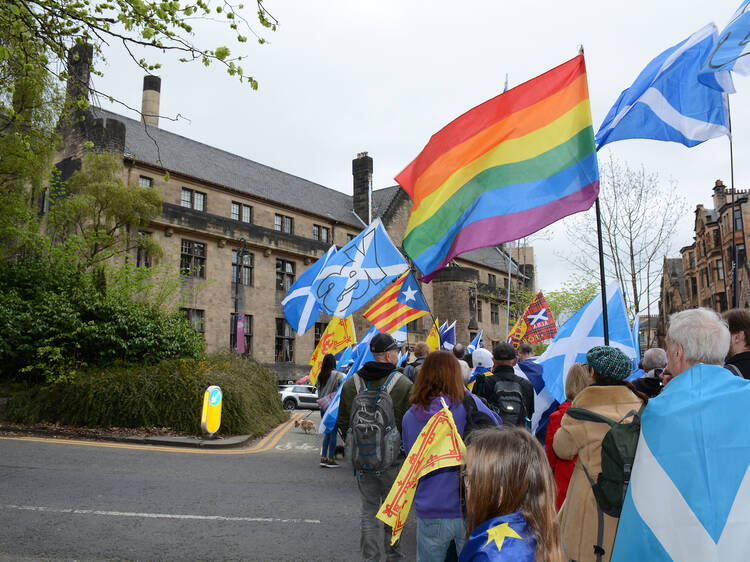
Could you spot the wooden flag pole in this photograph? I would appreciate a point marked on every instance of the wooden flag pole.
(601, 272)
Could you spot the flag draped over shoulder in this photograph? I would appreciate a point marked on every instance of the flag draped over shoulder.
(503, 170)
(730, 53)
(338, 335)
(301, 309)
(358, 271)
(689, 493)
(398, 305)
(584, 330)
(667, 102)
(536, 324)
(438, 446)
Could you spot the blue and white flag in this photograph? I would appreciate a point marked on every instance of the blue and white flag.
(345, 358)
(689, 493)
(584, 330)
(667, 102)
(362, 355)
(730, 52)
(358, 271)
(300, 307)
(476, 343)
(544, 402)
(637, 340)
(448, 337)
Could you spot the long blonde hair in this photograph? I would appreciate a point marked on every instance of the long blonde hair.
(507, 471)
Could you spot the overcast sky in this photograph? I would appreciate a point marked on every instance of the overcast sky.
(341, 77)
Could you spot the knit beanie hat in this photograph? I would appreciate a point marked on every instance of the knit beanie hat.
(609, 362)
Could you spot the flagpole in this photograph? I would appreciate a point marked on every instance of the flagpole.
(735, 271)
(601, 272)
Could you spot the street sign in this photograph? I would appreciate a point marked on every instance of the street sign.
(211, 416)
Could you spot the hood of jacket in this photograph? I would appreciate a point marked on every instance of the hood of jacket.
(372, 370)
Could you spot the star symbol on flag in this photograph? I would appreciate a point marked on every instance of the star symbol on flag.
(410, 294)
(540, 316)
(499, 533)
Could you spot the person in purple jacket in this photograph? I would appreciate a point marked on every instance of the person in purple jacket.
(440, 518)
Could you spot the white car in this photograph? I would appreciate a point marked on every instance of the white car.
(299, 396)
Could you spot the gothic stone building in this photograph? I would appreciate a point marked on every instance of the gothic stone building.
(241, 233)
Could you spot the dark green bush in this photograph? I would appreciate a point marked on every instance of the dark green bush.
(166, 394)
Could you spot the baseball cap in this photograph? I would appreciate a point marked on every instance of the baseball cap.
(482, 358)
(382, 343)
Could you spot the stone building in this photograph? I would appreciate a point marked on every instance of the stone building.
(241, 233)
(702, 276)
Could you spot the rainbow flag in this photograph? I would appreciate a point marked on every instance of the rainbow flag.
(503, 170)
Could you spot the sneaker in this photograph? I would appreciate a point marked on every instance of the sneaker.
(332, 464)
(323, 462)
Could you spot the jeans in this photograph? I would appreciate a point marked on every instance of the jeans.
(434, 536)
(373, 488)
(329, 444)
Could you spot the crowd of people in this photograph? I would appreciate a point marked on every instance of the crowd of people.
(554, 496)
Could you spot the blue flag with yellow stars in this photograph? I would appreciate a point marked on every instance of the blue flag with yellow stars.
(504, 538)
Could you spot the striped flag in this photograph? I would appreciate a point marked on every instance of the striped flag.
(503, 170)
(399, 304)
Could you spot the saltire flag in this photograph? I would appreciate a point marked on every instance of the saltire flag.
(439, 445)
(398, 305)
(503, 170)
(584, 330)
(362, 354)
(544, 402)
(476, 343)
(433, 338)
(345, 358)
(443, 327)
(300, 307)
(358, 271)
(730, 52)
(448, 337)
(402, 357)
(338, 334)
(667, 102)
(536, 324)
(689, 493)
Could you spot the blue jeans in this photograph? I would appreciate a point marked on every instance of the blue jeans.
(329, 444)
(434, 536)
(373, 488)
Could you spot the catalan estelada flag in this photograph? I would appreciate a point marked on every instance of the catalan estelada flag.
(503, 170)
(439, 445)
(398, 305)
(536, 324)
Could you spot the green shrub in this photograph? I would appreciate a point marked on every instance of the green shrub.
(166, 394)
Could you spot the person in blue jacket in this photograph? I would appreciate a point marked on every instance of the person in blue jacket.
(510, 499)
(437, 500)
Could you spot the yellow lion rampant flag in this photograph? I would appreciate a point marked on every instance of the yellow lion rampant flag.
(439, 445)
(338, 334)
(433, 338)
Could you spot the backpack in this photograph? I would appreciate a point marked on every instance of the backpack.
(508, 403)
(475, 418)
(373, 442)
(618, 453)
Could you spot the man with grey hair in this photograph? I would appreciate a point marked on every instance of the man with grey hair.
(654, 361)
(689, 493)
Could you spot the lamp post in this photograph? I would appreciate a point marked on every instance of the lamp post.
(240, 258)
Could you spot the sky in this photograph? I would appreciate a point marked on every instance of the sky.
(342, 77)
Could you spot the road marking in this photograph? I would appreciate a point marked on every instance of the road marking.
(264, 445)
(157, 515)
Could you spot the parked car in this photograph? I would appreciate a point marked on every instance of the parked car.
(298, 396)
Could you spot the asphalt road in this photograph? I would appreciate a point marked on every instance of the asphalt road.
(71, 501)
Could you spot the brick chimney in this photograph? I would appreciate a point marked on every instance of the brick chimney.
(150, 102)
(362, 199)
(720, 195)
(79, 73)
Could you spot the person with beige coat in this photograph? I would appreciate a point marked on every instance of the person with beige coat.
(609, 396)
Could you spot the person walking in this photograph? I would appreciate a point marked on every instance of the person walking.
(438, 499)
(613, 397)
(328, 383)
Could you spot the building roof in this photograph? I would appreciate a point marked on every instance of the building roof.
(490, 257)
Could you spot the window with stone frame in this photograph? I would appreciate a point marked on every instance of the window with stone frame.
(142, 257)
(350, 237)
(740, 255)
(479, 310)
(246, 268)
(320, 327)
(491, 280)
(191, 199)
(242, 212)
(321, 233)
(193, 259)
(738, 219)
(248, 333)
(196, 317)
(284, 275)
(284, 352)
(494, 314)
(145, 181)
(282, 223)
(717, 238)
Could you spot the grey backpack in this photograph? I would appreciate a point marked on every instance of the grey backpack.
(373, 441)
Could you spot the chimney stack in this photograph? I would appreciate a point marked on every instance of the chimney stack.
(362, 200)
(720, 195)
(151, 98)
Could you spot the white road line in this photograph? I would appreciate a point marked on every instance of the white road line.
(156, 515)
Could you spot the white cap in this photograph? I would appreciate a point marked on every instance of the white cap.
(482, 358)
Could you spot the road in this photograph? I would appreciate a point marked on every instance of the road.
(62, 500)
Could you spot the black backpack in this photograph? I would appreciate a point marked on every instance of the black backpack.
(508, 402)
(475, 418)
